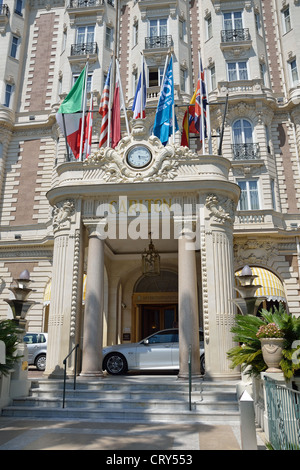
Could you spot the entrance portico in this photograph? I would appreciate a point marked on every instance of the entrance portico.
(104, 210)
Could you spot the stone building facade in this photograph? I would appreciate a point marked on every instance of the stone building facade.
(244, 204)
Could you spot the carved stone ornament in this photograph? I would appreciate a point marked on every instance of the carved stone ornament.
(164, 165)
(62, 213)
(221, 210)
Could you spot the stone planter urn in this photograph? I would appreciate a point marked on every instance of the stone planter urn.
(272, 352)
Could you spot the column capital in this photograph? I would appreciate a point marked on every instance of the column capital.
(95, 227)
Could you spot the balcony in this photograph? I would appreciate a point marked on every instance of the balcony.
(234, 35)
(85, 3)
(80, 51)
(235, 40)
(4, 14)
(158, 42)
(245, 151)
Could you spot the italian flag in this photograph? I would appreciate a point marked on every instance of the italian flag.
(70, 116)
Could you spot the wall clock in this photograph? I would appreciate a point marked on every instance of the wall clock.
(139, 156)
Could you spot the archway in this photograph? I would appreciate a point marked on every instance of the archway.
(155, 303)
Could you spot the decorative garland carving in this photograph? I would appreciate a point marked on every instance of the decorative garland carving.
(166, 160)
(62, 213)
(221, 210)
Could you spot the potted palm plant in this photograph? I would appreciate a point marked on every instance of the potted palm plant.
(248, 353)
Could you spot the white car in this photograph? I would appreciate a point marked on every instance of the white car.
(156, 352)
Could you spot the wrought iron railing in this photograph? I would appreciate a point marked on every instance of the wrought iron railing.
(65, 372)
(4, 10)
(85, 3)
(84, 48)
(245, 151)
(233, 35)
(283, 410)
(154, 42)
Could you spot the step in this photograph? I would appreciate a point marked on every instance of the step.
(112, 415)
(129, 399)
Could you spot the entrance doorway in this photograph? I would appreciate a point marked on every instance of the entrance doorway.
(157, 317)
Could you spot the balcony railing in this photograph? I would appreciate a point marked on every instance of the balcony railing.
(89, 3)
(4, 10)
(156, 42)
(234, 35)
(245, 151)
(85, 3)
(84, 48)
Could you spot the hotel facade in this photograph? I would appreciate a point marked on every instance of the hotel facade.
(118, 250)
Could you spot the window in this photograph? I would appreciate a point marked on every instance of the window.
(155, 76)
(212, 73)
(88, 83)
(273, 194)
(242, 132)
(183, 78)
(108, 37)
(286, 20)
(8, 95)
(258, 23)
(267, 138)
(294, 72)
(237, 71)
(208, 23)
(182, 30)
(233, 20)
(14, 47)
(19, 7)
(158, 27)
(263, 72)
(135, 33)
(249, 199)
(85, 34)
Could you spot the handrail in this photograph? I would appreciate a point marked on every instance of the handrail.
(65, 371)
(190, 377)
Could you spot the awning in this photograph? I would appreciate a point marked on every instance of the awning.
(47, 295)
(272, 288)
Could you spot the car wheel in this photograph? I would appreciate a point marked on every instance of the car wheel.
(115, 364)
(40, 362)
(202, 364)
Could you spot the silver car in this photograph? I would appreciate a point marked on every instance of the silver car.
(156, 352)
(37, 349)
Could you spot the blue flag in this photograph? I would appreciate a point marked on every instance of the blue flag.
(163, 124)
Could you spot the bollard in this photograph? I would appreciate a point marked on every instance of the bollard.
(248, 429)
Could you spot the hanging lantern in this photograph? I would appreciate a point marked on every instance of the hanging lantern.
(151, 261)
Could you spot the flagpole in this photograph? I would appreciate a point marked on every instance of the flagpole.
(83, 110)
(208, 117)
(112, 80)
(66, 140)
(173, 109)
(142, 85)
(201, 106)
(122, 96)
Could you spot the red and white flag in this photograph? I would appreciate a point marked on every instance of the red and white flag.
(89, 130)
(104, 111)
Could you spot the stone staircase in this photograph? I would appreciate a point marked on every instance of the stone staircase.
(129, 399)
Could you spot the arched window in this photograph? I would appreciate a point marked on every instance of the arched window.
(243, 146)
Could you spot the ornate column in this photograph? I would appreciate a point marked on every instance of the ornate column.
(188, 315)
(66, 286)
(94, 301)
(217, 217)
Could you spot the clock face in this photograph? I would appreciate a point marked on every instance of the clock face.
(139, 156)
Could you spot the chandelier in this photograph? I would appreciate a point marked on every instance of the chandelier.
(151, 260)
